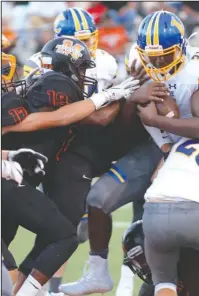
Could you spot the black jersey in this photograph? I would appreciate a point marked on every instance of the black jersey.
(102, 145)
(13, 109)
(53, 90)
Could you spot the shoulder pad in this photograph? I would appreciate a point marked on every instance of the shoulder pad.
(131, 56)
(54, 90)
(193, 67)
(32, 63)
(106, 66)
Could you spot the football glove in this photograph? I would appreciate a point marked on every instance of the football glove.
(31, 161)
(12, 170)
(115, 93)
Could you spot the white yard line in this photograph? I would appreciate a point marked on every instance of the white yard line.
(121, 224)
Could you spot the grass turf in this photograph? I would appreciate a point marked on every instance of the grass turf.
(24, 241)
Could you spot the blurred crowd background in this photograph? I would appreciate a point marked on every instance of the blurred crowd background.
(29, 25)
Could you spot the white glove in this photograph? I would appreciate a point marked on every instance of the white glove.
(115, 93)
(12, 170)
(124, 89)
(30, 160)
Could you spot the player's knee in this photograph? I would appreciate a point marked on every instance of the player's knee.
(98, 198)
(62, 230)
(68, 246)
(61, 251)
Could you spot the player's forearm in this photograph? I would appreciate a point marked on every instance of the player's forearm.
(103, 116)
(74, 113)
(185, 127)
(62, 117)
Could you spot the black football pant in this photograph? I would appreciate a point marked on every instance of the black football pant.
(8, 258)
(31, 209)
(67, 184)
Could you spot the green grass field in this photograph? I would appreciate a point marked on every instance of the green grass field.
(24, 241)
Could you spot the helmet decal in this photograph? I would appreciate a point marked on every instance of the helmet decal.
(69, 48)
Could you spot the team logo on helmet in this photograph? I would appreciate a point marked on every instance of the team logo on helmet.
(69, 48)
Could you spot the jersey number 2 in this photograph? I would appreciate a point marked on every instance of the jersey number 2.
(184, 149)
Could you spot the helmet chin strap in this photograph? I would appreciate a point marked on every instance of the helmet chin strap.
(75, 78)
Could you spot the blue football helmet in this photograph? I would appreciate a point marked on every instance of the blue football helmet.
(78, 23)
(161, 44)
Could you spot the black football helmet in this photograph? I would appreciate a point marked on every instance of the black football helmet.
(71, 57)
(133, 247)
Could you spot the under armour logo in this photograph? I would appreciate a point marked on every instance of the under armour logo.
(170, 86)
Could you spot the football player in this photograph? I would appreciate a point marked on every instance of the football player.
(172, 205)
(133, 62)
(90, 152)
(61, 57)
(172, 68)
(25, 206)
(12, 118)
(161, 137)
(134, 258)
(171, 65)
(185, 82)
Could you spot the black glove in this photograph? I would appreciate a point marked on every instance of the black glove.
(31, 161)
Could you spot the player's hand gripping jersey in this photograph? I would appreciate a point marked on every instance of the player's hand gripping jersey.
(179, 176)
(182, 86)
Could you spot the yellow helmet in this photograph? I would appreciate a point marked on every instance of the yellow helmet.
(9, 78)
(8, 66)
(8, 61)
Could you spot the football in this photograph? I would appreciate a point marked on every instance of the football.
(168, 108)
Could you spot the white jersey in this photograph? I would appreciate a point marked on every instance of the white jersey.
(181, 87)
(179, 176)
(192, 52)
(159, 137)
(104, 72)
